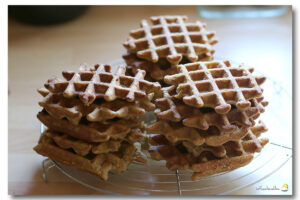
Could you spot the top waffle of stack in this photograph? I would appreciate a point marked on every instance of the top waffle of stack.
(91, 83)
(170, 37)
(216, 84)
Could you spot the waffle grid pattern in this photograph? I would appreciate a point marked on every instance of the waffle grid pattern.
(100, 82)
(216, 84)
(170, 37)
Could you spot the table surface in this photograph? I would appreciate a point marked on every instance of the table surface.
(37, 53)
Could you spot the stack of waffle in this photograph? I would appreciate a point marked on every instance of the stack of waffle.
(206, 118)
(92, 117)
(206, 112)
(158, 47)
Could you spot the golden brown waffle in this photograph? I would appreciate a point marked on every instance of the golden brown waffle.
(135, 135)
(82, 148)
(170, 108)
(175, 132)
(154, 71)
(218, 140)
(218, 151)
(216, 84)
(238, 154)
(157, 71)
(91, 132)
(95, 82)
(242, 150)
(98, 164)
(74, 110)
(172, 38)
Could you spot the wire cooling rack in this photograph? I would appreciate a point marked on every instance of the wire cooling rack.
(155, 178)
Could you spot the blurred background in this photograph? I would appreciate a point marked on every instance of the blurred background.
(44, 41)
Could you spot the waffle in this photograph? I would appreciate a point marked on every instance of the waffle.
(217, 140)
(82, 148)
(218, 151)
(95, 82)
(176, 132)
(157, 71)
(74, 110)
(238, 154)
(98, 164)
(154, 71)
(216, 84)
(91, 132)
(172, 38)
(170, 108)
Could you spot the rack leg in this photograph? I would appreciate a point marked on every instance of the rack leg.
(47, 164)
(178, 182)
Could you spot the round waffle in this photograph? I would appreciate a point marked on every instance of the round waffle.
(172, 38)
(216, 84)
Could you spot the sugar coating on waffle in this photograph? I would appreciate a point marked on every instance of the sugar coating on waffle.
(171, 37)
(173, 109)
(205, 160)
(90, 83)
(216, 84)
(101, 164)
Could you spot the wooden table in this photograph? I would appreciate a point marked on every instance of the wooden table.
(37, 53)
